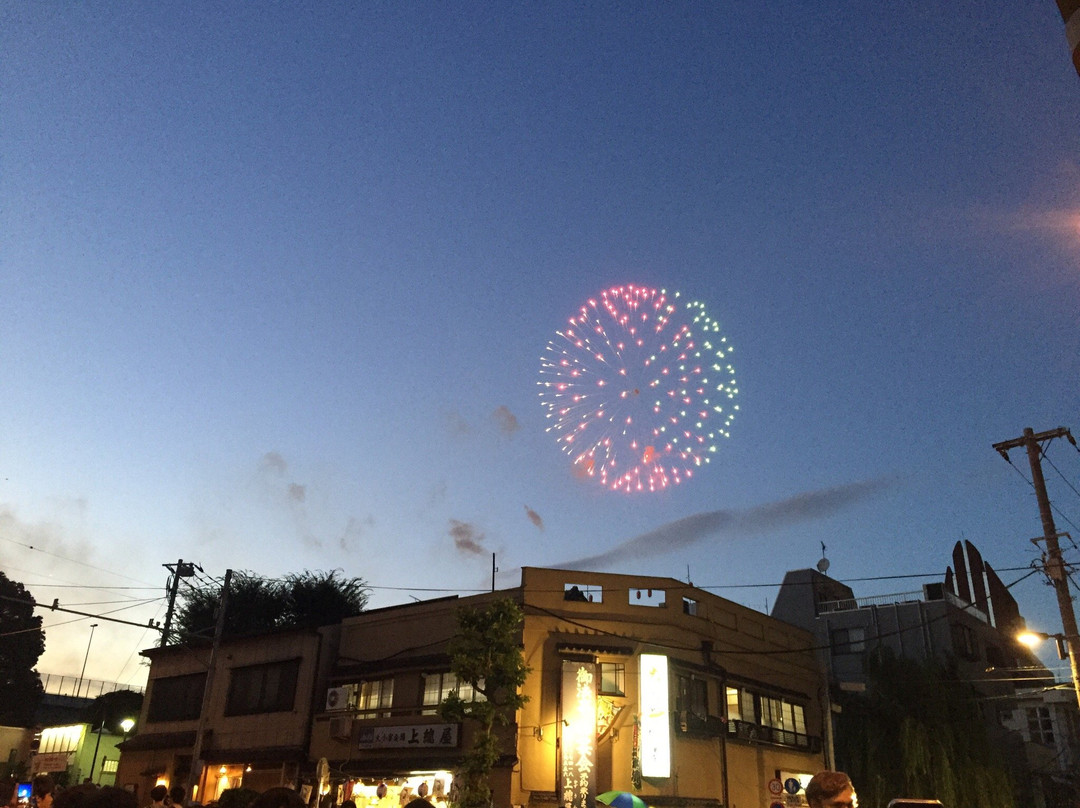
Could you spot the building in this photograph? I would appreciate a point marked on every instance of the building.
(968, 620)
(1048, 720)
(77, 752)
(254, 732)
(637, 683)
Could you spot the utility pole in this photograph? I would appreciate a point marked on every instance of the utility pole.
(178, 570)
(196, 755)
(1053, 565)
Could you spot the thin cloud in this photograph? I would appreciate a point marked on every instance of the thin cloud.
(272, 461)
(534, 517)
(690, 530)
(505, 420)
(297, 492)
(467, 538)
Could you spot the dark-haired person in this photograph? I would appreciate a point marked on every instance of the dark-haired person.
(829, 789)
(41, 791)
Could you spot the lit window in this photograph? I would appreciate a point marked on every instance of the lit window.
(374, 698)
(437, 686)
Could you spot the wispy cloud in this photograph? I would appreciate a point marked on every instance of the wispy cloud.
(467, 537)
(534, 517)
(505, 421)
(735, 523)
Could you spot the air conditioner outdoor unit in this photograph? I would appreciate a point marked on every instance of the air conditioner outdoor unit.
(337, 698)
(341, 727)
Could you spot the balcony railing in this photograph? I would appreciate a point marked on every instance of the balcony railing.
(746, 731)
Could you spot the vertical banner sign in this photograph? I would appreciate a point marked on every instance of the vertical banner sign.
(655, 717)
(578, 734)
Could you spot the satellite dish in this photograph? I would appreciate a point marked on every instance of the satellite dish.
(823, 565)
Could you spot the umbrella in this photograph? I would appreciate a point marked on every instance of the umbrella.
(621, 799)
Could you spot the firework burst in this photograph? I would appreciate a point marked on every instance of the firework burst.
(638, 388)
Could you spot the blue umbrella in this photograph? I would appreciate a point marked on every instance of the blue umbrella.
(621, 799)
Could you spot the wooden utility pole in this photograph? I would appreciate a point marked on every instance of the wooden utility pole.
(1053, 564)
(204, 713)
(179, 570)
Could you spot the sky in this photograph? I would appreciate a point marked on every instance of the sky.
(277, 280)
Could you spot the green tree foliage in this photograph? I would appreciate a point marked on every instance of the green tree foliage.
(257, 605)
(109, 709)
(485, 653)
(22, 642)
(918, 732)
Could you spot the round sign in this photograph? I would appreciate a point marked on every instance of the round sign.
(792, 785)
(776, 788)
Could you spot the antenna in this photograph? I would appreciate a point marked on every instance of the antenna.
(823, 564)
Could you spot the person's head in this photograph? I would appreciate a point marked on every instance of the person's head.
(176, 795)
(830, 789)
(9, 795)
(42, 789)
(159, 793)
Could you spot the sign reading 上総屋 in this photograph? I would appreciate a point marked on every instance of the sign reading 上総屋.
(409, 735)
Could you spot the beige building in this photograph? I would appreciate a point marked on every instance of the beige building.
(255, 730)
(638, 684)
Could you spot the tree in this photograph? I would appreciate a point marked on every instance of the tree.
(109, 709)
(486, 653)
(257, 604)
(22, 642)
(917, 732)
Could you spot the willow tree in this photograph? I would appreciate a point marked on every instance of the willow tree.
(485, 654)
(918, 732)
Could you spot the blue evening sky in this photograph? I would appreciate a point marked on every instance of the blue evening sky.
(276, 279)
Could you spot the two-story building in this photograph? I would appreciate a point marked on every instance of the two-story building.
(254, 732)
(637, 683)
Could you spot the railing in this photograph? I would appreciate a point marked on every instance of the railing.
(851, 604)
(746, 731)
(80, 688)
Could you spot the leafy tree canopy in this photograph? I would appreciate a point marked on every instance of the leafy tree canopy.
(486, 653)
(918, 732)
(257, 604)
(109, 709)
(22, 642)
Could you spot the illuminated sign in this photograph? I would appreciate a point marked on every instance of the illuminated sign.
(578, 734)
(655, 718)
(409, 736)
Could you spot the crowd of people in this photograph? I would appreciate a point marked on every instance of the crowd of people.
(827, 789)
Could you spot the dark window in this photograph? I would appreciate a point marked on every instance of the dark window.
(964, 642)
(692, 696)
(269, 688)
(176, 698)
(848, 640)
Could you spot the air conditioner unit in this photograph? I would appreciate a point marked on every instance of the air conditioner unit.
(337, 698)
(341, 727)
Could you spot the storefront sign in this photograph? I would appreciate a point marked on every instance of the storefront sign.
(50, 762)
(578, 734)
(409, 736)
(655, 717)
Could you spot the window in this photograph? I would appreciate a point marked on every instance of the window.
(437, 686)
(176, 698)
(964, 642)
(691, 696)
(583, 593)
(740, 705)
(268, 688)
(110, 766)
(612, 678)
(1040, 725)
(648, 597)
(778, 720)
(374, 698)
(848, 640)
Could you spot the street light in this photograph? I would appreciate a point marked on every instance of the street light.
(126, 725)
(1032, 639)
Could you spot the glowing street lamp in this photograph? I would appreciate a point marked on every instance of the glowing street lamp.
(1032, 639)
